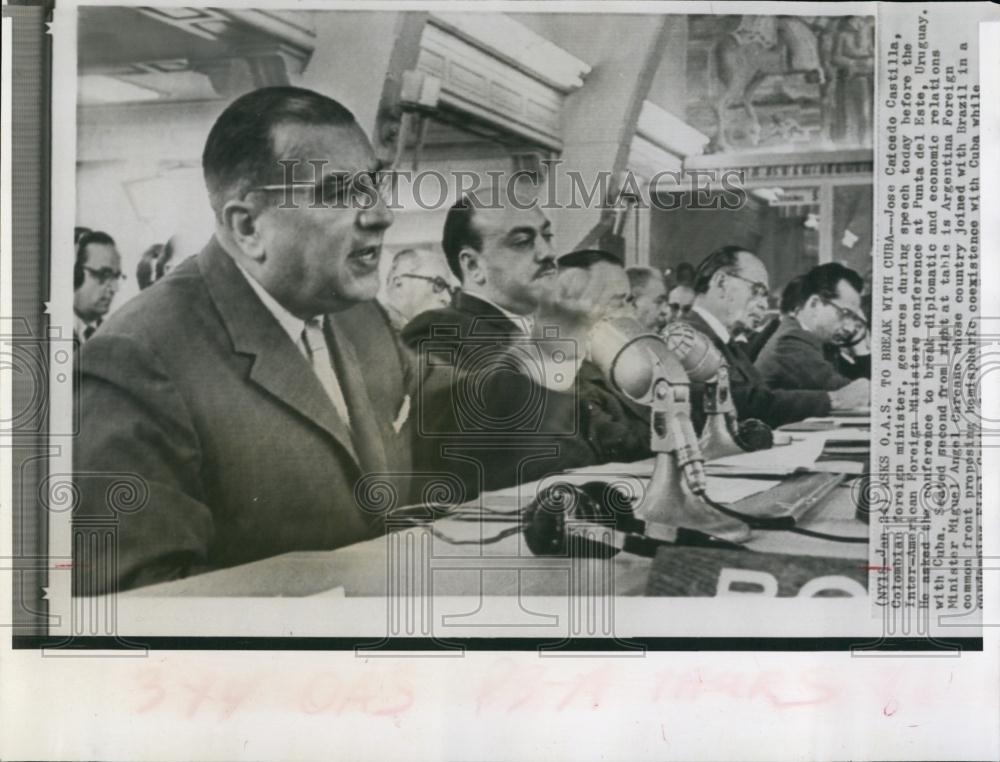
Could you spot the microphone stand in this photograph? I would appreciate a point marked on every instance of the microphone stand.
(720, 418)
(671, 498)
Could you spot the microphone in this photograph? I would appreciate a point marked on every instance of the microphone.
(643, 368)
(700, 358)
(705, 364)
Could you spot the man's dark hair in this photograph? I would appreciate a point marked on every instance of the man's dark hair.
(684, 274)
(790, 295)
(459, 232)
(153, 264)
(726, 259)
(145, 271)
(239, 152)
(587, 258)
(639, 277)
(91, 236)
(822, 281)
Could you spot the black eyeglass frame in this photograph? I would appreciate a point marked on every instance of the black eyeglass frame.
(844, 313)
(339, 190)
(437, 282)
(104, 274)
(760, 290)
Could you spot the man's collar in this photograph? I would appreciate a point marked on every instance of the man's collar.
(291, 324)
(81, 325)
(795, 324)
(396, 318)
(523, 322)
(713, 322)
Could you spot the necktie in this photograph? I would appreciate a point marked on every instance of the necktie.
(319, 357)
(89, 331)
(739, 353)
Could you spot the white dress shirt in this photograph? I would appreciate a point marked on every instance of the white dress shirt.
(525, 322)
(81, 327)
(714, 323)
(308, 337)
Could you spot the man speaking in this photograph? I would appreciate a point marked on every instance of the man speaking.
(253, 387)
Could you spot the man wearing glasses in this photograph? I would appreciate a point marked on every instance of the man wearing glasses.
(805, 351)
(679, 302)
(418, 280)
(251, 390)
(96, 275)
(731, 294)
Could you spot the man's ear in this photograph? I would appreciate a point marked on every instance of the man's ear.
(242, 223)
(471, 263)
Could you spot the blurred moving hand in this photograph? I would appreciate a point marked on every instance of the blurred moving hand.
(856, 394)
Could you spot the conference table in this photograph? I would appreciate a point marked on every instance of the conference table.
(480, 550)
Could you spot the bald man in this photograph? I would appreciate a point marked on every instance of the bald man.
(419, 280)
(617, 427)
(648, 290)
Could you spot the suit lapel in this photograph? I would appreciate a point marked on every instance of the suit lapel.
(487, 320)
(367, 431)
(699, 324)
(278, 366)
(738, 365)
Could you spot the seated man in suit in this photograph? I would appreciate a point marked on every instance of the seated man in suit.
(244, 396)
(617, 426)
(96, 275)
(786, 306)
(418, 280)
(498, 400)
(731, 290)
(648, 290)
(502, 255)
(804, 352)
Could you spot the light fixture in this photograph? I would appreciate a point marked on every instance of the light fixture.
(100, 88)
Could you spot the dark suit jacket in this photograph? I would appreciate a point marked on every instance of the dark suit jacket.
(757, 340)
(467, 316)
(618, 427)
(195, 390)
(795, 358)
(752, 397)
(481, 417)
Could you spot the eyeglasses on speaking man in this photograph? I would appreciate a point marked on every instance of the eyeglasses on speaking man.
(105, 274)
(438, 284)
(361, 190)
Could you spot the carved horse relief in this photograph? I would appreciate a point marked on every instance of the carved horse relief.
(761, 47)
(824, 65)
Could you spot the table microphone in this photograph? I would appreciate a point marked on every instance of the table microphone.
(704, 364)
(642, 367)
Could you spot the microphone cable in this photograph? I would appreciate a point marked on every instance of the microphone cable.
(775, 523)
